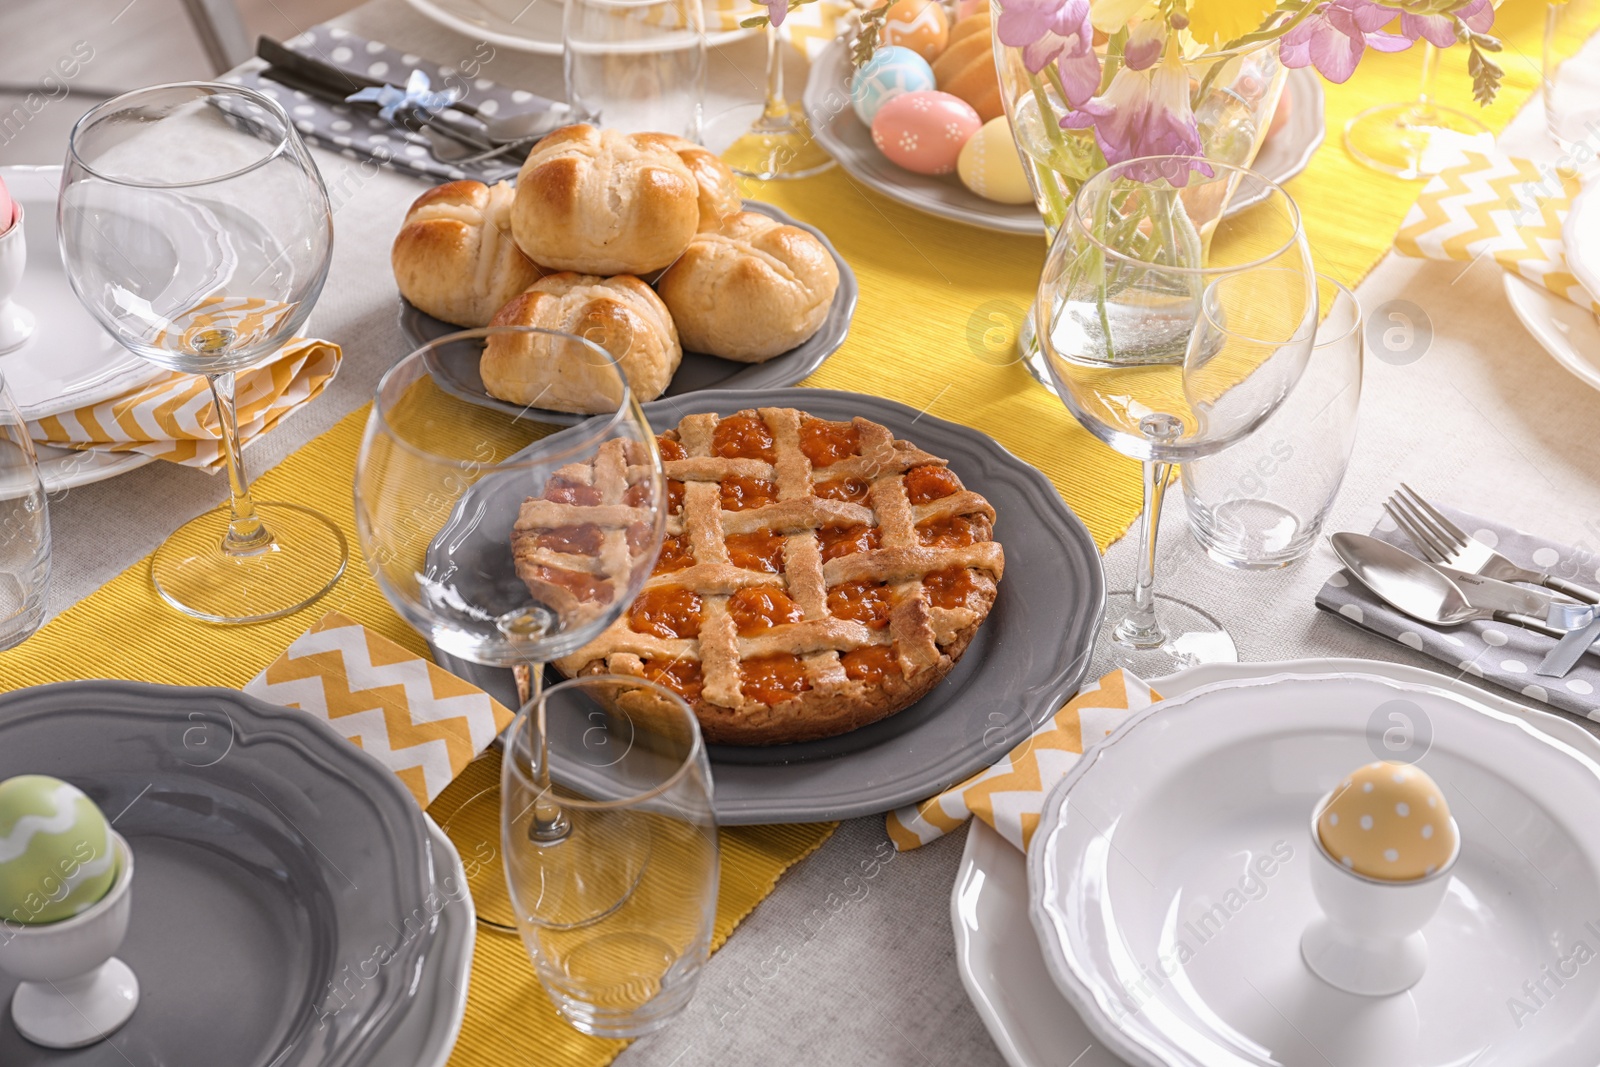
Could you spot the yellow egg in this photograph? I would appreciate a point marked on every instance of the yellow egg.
(920, 25)
(989, 165)
(1388, 821)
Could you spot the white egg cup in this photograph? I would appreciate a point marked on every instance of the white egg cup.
(1368, 939)
(16, 321)
(74, 991)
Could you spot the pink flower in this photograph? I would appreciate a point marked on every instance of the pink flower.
(1054, 31)
(1145, 113)
(777, 11)
(1145, 43)
(1333, 39)
(1441, 29)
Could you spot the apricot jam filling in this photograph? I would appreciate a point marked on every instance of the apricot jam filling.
(871, 664)
(761, 550)
(826, 443)
(927, 483)
(847, 540)
(682, 676)
(866, 601)
(955, 531)
(850, 490)
(666, 612)
(740, 494)
(758, 610)
(774, 679)
(743, 437)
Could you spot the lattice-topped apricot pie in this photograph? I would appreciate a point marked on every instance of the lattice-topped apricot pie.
(816, 576)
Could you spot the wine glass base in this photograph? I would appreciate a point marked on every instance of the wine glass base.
(1192, 638)
(306, 556)
(1413, 140)
(767, 147)
(474, 828)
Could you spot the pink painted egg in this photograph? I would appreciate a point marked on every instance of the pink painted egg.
(924, 131)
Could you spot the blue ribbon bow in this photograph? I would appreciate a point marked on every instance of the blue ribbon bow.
(418, 95)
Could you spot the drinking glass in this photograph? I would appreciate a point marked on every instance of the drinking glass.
(636, 65)
(24, 530)
(1572, 86)
(1419, 138)
(769, 141)
(1172, 332)
(440, 484)
(195, 227)
(611, 850)
(1261, 503)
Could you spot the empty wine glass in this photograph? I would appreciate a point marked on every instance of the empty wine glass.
(195, 227)
(616, 905)
(441, 483)
(24, 530)
(770, 140)
(1172, 332)
(636, 65)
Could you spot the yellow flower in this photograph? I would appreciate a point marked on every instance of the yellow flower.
(1216, 22)
(1109, 16)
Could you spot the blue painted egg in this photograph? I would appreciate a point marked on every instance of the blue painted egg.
(890, 72)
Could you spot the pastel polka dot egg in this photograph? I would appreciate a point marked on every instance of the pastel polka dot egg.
(1388, 821)
(925, 131)
(889, 73)
(989, 165)
(56, 854)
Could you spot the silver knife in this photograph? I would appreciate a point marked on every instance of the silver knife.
(1491, 594)
(1495, 595)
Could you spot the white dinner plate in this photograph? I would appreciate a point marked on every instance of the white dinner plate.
(1571, 334)
(520, 25)
(70, 361)
(997, 952)
(826, 101)
(1580, 238)
(1168, 883)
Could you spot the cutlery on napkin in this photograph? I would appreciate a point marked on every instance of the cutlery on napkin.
(1010, 794)
(172, 417)
(1500, 206)
(416, 718)
(1499, 652)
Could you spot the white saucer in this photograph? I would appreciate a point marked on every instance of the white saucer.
(997, 952)
(1580, 238)
(70, 361)
(520, 25)
(1571, 334)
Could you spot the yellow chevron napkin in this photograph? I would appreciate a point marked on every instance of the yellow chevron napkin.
(419, 720)
(173, 417)
(1496, 205)
(1009, 795)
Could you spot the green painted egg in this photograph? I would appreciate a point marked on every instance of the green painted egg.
(56, 853)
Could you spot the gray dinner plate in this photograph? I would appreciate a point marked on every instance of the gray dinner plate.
(1027, 657)
(826, 101)
(286, 907)
(455, 368)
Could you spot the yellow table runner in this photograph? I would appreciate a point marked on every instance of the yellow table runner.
(939, 305)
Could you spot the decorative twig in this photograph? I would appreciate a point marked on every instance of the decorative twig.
(1486, 73)
(866, 41)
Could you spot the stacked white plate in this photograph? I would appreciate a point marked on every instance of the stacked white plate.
(1153, 836)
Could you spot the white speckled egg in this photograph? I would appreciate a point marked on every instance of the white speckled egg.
(890, 72)
(1388, 821)
(925, 131)
(989, 165)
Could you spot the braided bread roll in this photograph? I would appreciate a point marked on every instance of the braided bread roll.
(621, 314)
(719, 190)
(604, 202)
(454, 257)
(751, 290)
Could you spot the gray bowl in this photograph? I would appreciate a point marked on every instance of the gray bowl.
(285, 908)
(455, 368)
(1027, 658)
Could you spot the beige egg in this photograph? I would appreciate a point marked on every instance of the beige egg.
(1388, 821)
(989, 165)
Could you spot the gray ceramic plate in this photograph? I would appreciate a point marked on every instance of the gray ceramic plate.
(827, 106)
(1026, 658)
(455, 369)
(275, 858)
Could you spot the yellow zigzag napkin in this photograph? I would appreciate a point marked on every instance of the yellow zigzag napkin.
(173, 417)
(1496, 205)
(419, 720)
(1010, 795)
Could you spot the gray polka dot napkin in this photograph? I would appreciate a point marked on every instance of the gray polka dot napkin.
(357, 132)
(1499, 652)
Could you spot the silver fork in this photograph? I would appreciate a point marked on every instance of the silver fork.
(1444, 542)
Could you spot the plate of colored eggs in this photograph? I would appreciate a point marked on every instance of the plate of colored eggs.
(923, 121)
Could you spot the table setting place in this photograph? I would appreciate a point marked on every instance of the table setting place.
(701, 597)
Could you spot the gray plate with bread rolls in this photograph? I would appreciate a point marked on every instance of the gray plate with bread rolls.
(457, 371)
(1026, 657)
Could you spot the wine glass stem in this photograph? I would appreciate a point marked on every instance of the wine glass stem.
(776, 109)
(1140, 627)
(549, 822)
(247, 535)
(1430, 76)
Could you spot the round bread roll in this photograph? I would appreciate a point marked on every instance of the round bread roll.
(454, 257)
(621, 314)
(750, 291)
(603, 202)
(719, 190)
